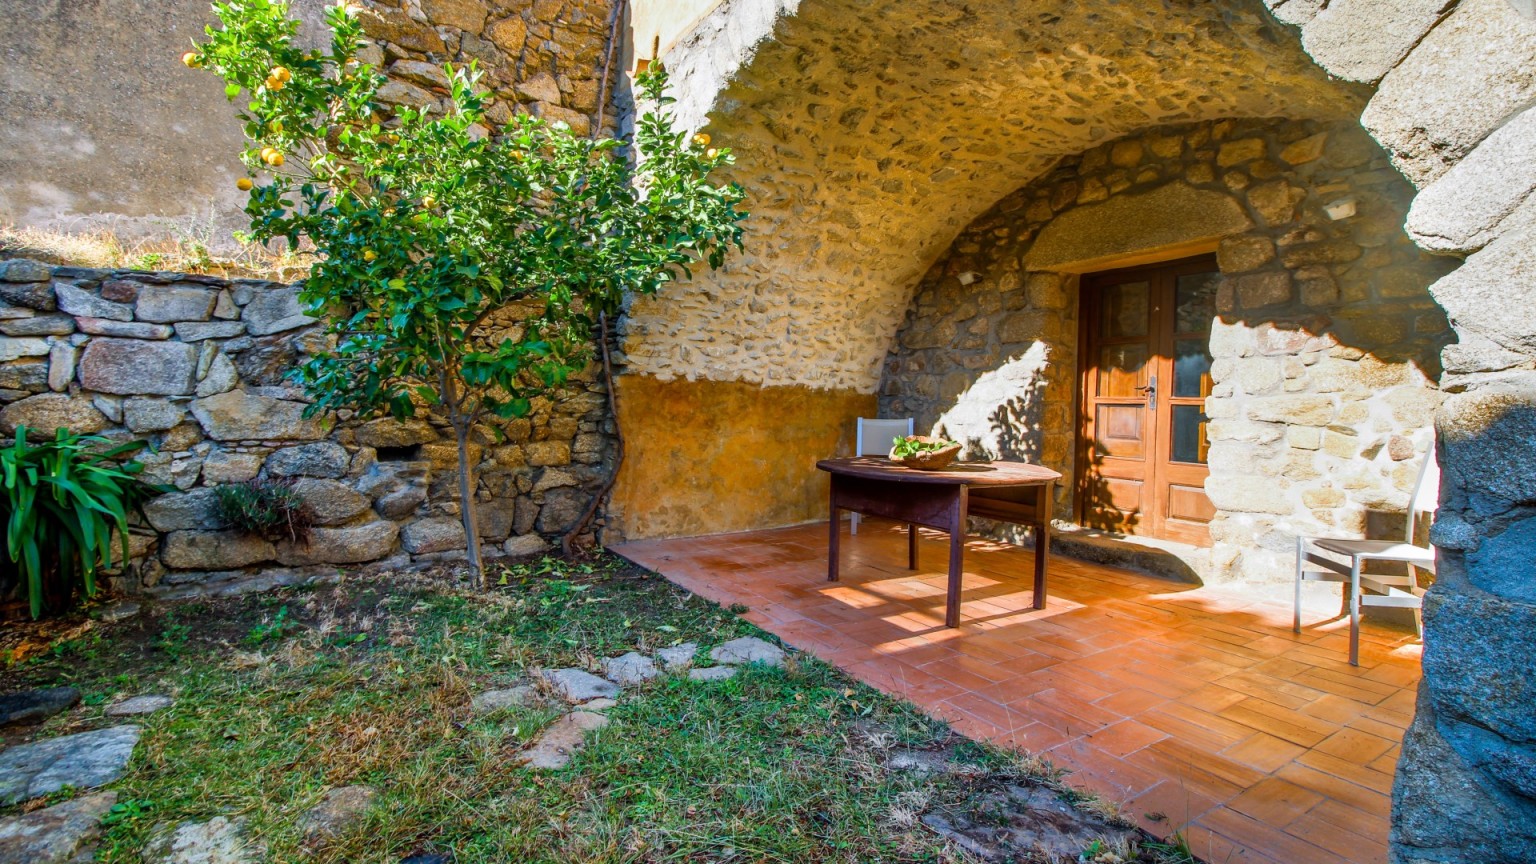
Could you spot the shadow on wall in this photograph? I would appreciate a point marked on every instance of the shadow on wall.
(999, 415)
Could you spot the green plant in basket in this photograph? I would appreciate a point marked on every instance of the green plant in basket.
(65, 502)
(912, 445)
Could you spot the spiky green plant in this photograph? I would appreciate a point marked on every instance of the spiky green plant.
(63, 501)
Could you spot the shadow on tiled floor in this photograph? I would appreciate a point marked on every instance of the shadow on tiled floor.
(1195, 707)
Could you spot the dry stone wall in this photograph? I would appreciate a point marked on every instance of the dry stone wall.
(196, 366)
(1325, 341)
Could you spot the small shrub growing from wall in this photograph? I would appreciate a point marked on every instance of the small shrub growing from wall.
(266, 507)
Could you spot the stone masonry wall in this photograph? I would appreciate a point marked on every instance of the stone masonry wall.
(1455, 86)
(195, 365)
(1325, 344)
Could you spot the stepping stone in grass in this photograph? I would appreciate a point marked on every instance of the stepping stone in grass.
(597, 705)
(678, 656)
(629, 669)
(35, 706)
(84, 761)
(217, 841)
(579, 685)
(564, 737)
(337, 811)
(140, 705)
(491, 701)
(748, 649)
(712, 673)
(58, 834)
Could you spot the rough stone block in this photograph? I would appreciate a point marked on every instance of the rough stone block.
(38, 325)
(14, 349)
(44, 413)
(134, 367)
(1479, 295)
(1463, 210)
(225, 467)
(196, 331)
(332, 503)
(275, 311)
(1462, 81)
(152, 415)
(237, 415)
(1361, 40)
(123, 329)
(351, 544)
(433, 535)
(79, 301)
(163, 304)
(1496, 418)
(1248, 494)
(321, 459)
(214, 550)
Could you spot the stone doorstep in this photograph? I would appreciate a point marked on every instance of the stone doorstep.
(1155, 556)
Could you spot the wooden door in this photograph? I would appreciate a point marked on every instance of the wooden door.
(1145, 373)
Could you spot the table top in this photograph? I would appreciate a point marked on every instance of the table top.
(1000, 472)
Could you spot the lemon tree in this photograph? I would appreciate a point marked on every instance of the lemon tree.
(425, 222)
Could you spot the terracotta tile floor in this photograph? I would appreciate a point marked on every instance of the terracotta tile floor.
(1197, 703)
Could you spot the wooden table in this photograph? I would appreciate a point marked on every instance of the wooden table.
(1009, 491)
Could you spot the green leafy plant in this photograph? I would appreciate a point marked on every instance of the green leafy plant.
(65, 500)
(427, 224)
(269, 630)
(268, 507)
(911, 445)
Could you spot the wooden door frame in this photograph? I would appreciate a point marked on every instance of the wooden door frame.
(1087, 318)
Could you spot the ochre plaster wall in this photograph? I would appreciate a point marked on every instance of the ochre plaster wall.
(707, 457)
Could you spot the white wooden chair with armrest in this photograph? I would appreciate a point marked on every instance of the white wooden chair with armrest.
(1374, 589)
(873, 437)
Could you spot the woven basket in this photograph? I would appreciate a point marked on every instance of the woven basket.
(928, 460)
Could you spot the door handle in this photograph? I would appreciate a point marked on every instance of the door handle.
(1151, 390)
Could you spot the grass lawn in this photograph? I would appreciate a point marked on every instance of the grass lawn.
(282, 696)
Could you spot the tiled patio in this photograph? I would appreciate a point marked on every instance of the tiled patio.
(1196, 704)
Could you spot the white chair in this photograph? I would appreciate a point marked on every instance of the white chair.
(873, 438)
(1372, 589)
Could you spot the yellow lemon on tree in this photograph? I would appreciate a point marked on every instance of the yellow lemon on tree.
(189, 59)
(271, 156)
(369, 255)
(701, 139)
(274, 83)
(428, 202)
(711, 153)
(276, 126)
(281, 74)
(244, 184)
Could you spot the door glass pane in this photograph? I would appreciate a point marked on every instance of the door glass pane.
(1191, 368)
(1194, 302)
(1122, 368)
(1189, 441)
(1125, 310)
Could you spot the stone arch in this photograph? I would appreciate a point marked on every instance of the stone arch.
(867, 141)
(1325, 341)
(871, 132)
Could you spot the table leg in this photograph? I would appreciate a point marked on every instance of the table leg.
(833, 534)
(1042, 541)
(956, 557)
(911, 546)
